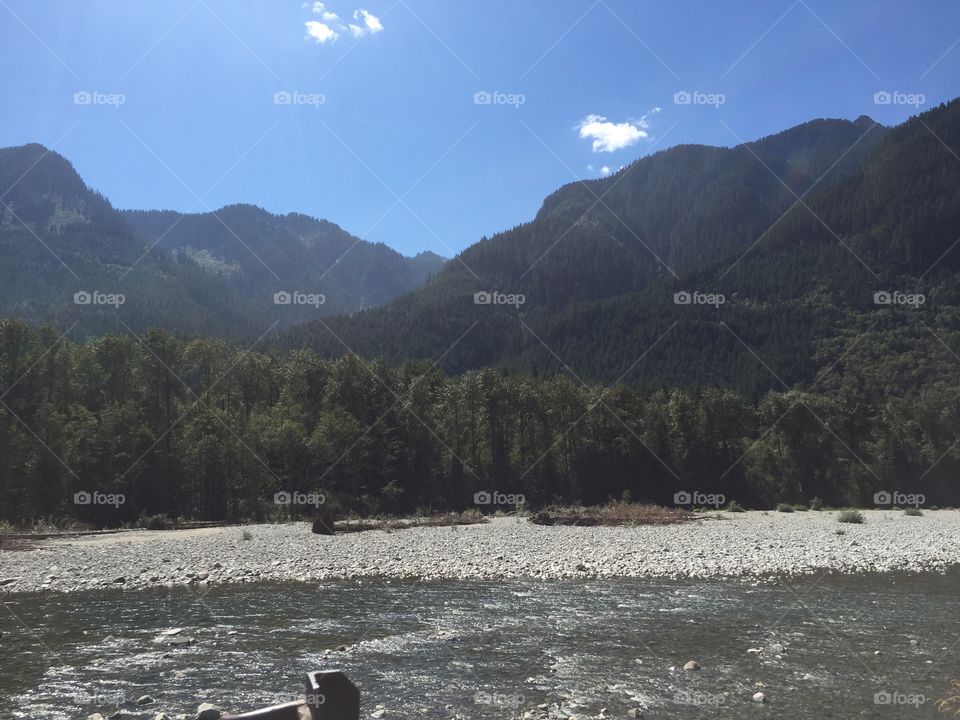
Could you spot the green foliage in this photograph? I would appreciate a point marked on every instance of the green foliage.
(816, 504)
(203, 429)
(913, 512)
(851, 516)
(734, 507)
(784, 507)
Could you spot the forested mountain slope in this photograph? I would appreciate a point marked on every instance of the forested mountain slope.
(213, 274)
(797, 272)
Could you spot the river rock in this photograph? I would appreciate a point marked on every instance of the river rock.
(692, 665)
(323, 522)
(208, 711)
(144, 700)
(759, 697)
(95, 716)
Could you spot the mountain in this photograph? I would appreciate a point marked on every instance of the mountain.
(797, 231)
(70, 257)
(258, 254)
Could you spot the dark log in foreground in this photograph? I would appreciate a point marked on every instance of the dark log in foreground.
(329, 696)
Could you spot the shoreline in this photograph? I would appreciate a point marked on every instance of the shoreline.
(752, 545)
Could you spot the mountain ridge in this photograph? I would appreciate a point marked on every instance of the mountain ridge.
(598, 282)
(69, 239)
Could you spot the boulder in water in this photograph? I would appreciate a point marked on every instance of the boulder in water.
(208, 711)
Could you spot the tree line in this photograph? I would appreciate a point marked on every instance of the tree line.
(203, 429)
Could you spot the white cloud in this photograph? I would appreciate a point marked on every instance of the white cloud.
(609, 136)
(321, 32)
(371, 21)
(331, 27)
(321, 9)
(605, 170)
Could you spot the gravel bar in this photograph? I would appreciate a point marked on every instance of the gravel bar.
(751, 544)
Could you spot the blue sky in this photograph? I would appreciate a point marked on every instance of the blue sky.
(385, 133)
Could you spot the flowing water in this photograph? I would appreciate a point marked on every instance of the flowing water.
(496, 649)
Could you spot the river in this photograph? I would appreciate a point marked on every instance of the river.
(834, 646)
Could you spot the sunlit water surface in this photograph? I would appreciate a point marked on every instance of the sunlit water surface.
(495, 649)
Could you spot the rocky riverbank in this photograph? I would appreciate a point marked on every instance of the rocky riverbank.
(751, 544)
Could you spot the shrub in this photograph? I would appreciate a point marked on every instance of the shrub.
(156, 522)
(246, 535)
(851, 516)
(734, 506)
(800, 508)
(913, 512)
(816, 504)
(839, 531)
(784, 507)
